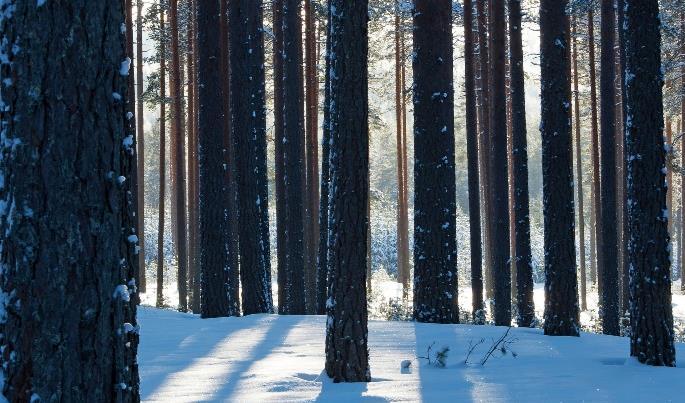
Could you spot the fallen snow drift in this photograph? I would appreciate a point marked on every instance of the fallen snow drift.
(280, 358)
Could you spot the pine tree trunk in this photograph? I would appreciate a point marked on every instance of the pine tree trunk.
(162, 165)
(248, 108)
(322, 284)
(140, 140)
(595, 257)
(347, 354)
(561, 289)
(472, 156)
(69, 312)
(523, 257)
(293, 159)
(214, 221)
(606, 239)
(579, 171)
(682, 137)
(193, 179)
(622, 206)
(651, 317)
(435, 248)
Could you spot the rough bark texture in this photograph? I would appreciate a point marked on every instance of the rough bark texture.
(322, 261)
(561, 289)
(472, 156)
(194, 271)
(435, 247)
(523, 257)
(347, 354)
(607, 240)
(66, 168)
(162, 166)
(248, 108)
(293, 159)
(215, 232)
(579, 171)
(651, 318)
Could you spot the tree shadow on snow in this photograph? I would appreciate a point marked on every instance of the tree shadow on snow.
(353, 391)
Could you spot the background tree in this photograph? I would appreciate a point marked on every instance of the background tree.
(561, 289)
(89, 304)
(651, 317)
(162, 163)
(140, 141)
(347, 355)
(595, 257)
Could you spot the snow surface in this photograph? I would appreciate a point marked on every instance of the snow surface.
(280, 358)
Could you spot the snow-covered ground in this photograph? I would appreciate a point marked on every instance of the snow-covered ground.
(280, 358)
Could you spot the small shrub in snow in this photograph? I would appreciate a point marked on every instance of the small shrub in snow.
(502, 346)
(437, 358)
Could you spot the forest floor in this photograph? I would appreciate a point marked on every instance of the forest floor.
(280, 358)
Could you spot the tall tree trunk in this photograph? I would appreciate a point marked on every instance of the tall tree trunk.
(484, 133)
(194, 272)
(293, 159)
(523, 257)
(561, 286)
(312, 157)
(179, 157)
(162, 163)
(682, 136)
(347, 354)
(579, 170)
(472, 157)
(651, 317)
(622, 202)
(140, 140)
(607, 242)
(322, 284)
(69, 308)
(595, 257)
(403, 272)
(435, 246)
(248, 108)
(215, 232)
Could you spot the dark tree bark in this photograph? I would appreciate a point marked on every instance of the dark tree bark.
(322, 261)
(497, 152)
(607, 242)
(311, 157)
(194, 270)
(140, 141)
(623, 268)
(523, 257)
(579, 170)
(403, 271)
(162, 164)
(651, 318)
(215, 232)
(484, 134)
(248, 108)
(179, 156)
(472, 156)
(69, 312)
(595, 257)
(561, 288)
(347, 354)
(293, 160)
(435, 248)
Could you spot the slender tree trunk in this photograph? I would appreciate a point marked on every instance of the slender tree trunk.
(651, 317)
(248, 108)
(347, 354)
(579, 171)
(140, 140)
(194, 269)
(472, 156)
(69, 243)
(622, 206)
(162, 164)
(595, 257)
(179, 166)
(561, 289)
(523, 257)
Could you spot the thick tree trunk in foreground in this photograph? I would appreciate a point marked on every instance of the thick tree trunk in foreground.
(435, 247)
(561, 289)
(69, 317)
(347, 353)
(248, 108)
(215, 232)
(651, 317)
(523, 257)
(472, 156)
